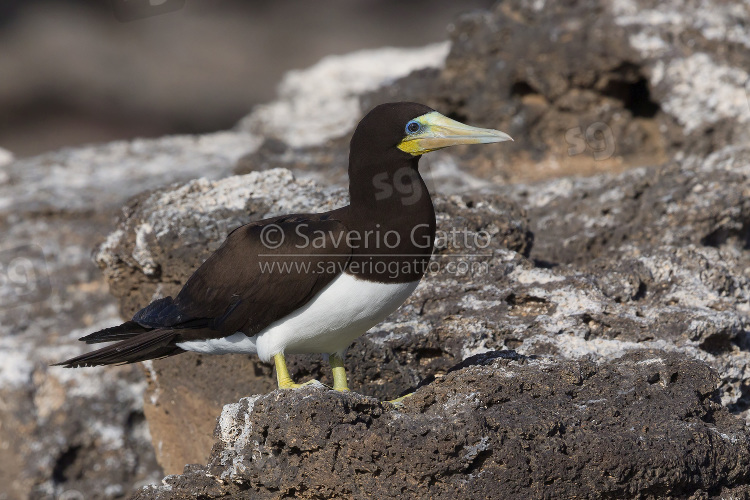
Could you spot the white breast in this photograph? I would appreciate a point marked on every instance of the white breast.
(342, 311)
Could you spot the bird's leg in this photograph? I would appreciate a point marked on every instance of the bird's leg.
(282, 374)
(339, 373)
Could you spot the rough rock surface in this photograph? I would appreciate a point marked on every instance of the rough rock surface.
(702, 201)
(664, 287)
(583, 87)
(64, 433)
(645, 425)
(609, 84)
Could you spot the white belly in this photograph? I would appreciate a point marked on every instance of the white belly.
(342, 311)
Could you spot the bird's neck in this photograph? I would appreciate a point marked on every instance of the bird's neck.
(388, 187)
(392, 214)
(392, 197)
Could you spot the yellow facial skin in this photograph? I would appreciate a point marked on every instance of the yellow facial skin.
(438, 131)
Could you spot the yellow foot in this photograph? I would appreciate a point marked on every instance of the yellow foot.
(289, 384)
(282, 374)
(399, 401)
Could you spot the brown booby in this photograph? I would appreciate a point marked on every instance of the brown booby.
(309, 283)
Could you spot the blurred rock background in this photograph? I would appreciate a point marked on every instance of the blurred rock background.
(70, 73)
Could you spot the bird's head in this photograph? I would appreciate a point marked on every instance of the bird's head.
(388, 143)
(408, 128)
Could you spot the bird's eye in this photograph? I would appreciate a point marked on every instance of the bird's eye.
(413, 127)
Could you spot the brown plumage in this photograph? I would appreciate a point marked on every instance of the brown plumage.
(231, 293)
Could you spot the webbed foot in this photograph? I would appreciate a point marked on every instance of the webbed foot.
(282, 374)
(400, 400)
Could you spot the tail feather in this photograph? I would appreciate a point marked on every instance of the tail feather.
(127, 330)
(149, 345)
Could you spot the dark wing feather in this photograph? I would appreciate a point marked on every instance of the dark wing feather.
(244, 286)
(159, 313)
(248, 283)
(150, 345)
(126, 330)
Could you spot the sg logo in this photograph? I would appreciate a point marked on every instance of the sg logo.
(23, 276)
(403, 184)
(598, 136)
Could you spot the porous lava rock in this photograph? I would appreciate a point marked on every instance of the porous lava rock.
(500, 425)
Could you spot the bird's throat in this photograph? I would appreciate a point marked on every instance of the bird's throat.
(395, 185)
(392, 214)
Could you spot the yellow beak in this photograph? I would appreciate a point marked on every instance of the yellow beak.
(437, 131)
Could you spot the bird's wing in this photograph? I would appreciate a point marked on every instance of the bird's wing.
(262, 272)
